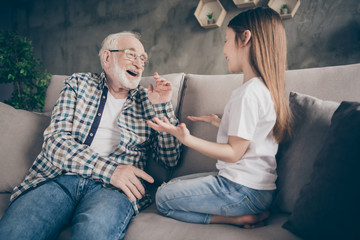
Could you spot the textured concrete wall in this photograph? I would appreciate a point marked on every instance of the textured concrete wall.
(67, 34)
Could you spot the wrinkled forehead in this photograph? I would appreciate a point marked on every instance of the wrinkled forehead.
(131, 43)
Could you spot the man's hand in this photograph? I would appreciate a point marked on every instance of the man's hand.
(212, 119)
(162, 92)
(126, 178)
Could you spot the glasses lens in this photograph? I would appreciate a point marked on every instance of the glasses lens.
(133, 56)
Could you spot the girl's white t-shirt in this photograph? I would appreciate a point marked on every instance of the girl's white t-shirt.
(108, 135)
(250, 114)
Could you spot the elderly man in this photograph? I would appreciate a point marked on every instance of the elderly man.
(91, 168)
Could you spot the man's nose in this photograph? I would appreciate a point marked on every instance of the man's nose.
(138, 63)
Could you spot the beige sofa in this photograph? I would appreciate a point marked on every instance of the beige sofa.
(325, 88)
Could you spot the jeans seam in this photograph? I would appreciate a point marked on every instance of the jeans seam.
(65, 190)
(245, 199)
(126, 220)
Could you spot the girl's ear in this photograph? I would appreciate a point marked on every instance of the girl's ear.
(245, 38)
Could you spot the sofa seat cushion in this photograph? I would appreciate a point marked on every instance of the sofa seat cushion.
(312, 117)
(328, 206)
(20, 143)
(149, 224)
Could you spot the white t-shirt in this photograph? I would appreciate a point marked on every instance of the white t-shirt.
(108, 134)
(250, 114)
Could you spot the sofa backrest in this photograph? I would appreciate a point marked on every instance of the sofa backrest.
(204, 94)
(338, 83)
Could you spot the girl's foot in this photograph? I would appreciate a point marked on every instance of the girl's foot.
(246, 221)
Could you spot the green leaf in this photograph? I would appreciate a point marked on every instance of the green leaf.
(19, 67)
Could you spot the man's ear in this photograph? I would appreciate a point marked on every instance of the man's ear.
(105, 57)
(245, 37)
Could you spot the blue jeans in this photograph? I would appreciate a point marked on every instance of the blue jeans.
(195, 200)
(94, 211)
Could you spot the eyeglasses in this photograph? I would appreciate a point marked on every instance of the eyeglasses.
(132, 56)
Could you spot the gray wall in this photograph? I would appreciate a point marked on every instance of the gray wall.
(67, 34)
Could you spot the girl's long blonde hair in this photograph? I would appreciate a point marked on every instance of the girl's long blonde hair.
(268, 58)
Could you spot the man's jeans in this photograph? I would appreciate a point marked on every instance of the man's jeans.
(195, 200)
(94, 211)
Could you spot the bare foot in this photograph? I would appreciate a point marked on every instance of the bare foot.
(246, 221)
(254, 221)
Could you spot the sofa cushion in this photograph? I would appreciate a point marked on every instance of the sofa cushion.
(295, 157)
(20, 143)
(203, 95)
(149, 224)
(53, 91)
(335, 83)
(328, 206)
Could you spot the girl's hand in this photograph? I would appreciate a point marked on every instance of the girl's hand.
(180, 132)
(212, 119)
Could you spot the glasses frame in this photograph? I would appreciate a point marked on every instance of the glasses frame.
(132, 55)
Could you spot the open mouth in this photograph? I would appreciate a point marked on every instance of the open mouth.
(134, 74)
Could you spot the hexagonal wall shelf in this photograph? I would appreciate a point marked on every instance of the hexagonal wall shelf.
(210, 13)
(292, 6)
(245, 3)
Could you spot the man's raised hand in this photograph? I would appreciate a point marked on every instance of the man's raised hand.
(162, 92)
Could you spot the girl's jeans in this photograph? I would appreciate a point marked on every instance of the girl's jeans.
(96, 212)
(195, 200)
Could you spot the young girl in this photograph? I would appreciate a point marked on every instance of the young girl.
(255, 119)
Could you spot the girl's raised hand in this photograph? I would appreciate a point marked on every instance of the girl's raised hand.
(180, 132)
(212, 119)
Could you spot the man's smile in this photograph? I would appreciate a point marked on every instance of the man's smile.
(132, 73)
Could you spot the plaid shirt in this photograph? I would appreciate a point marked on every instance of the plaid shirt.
(75, 119)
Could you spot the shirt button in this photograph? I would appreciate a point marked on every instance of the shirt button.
(91, 134)
(104, 97)
(99, 114)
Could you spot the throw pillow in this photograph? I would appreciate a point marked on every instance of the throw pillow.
(20, 143)
(296, 157)
(328, 206)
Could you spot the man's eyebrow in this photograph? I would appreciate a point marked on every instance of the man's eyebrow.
(144, 54)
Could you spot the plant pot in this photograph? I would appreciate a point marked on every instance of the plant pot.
(211, 21)
(284, 11)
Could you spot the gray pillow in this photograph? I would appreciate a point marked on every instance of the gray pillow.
(296, 156)
(328, 206)
(20, 143)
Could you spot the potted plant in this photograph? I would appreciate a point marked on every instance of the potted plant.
(284, 9)
(19, 67)
(210, 19)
